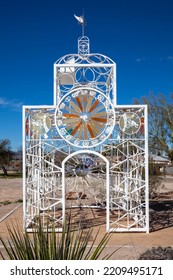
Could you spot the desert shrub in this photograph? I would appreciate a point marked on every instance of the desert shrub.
(6, 202)
(155, 180)
(158, 253)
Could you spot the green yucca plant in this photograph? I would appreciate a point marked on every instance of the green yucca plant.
(45, 245)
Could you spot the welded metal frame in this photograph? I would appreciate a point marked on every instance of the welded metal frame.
(121, 156)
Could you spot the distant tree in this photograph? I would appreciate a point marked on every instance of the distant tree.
(17, 158)
(160, 120)
(6, 154)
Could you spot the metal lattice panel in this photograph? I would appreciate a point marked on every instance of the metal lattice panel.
(110, 176)
(86, 156)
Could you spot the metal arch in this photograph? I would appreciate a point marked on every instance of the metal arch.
(89, 152)
(90, 58)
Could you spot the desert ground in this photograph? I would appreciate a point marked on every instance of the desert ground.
(129, 245)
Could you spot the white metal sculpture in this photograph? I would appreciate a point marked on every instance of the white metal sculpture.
(86, 155)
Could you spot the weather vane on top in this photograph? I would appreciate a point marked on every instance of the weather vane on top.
(81, 21)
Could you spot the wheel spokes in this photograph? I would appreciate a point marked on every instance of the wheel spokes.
(84, 117)
(76, 129)
(85, 132)
(101, 125)
(89, 102)
(77, 109)
(94, 105)
(71, 116)
(81, 131)
(70, 110)
(70, 121)
(99, 108)
(94, 127)
(101, 114)
(103, 120)
(79, 103)
(90, 130)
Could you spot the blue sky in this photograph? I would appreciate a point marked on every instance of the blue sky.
(136, 34)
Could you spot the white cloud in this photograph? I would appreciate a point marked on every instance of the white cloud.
(3, 102)
(170, 58)
(167, 58)
(140, 59)
(11, 104)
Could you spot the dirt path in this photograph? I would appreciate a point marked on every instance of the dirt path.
(10, 196)
(129, 245)
(10, 189)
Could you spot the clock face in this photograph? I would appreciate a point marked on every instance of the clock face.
(85, 117)
(40, 123)
(130, 123)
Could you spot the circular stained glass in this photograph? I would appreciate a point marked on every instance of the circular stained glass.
(130, 123)
(85, 117)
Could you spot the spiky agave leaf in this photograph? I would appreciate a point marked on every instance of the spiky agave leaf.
(41, 244)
